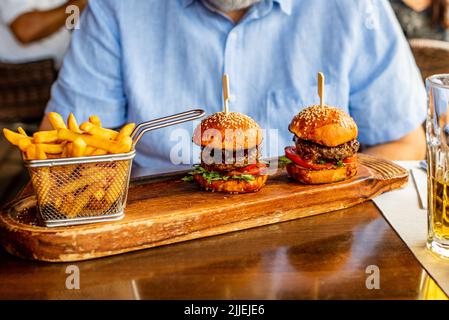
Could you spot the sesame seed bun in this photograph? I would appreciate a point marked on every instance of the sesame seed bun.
(326, 125)
(232, 186)
(308, 176)
(230, 131)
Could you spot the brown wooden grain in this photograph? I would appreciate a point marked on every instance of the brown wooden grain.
(170, 211)
(320, 257)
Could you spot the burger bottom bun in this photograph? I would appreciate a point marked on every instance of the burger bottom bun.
(308, 176)
(232, 185)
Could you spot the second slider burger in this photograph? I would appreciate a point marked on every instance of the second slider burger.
(230, 154)
(325, 146)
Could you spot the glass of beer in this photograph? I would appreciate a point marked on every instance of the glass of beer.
(437, 132)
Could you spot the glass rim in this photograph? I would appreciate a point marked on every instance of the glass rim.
(431, 80)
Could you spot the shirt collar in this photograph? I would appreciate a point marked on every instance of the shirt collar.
(186, 3)
(286, 5)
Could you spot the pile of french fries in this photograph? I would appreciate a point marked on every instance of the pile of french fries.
(70, 140)
(85, 189)
(79, 189)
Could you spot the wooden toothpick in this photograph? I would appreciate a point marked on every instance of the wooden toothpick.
(321, 87)
(226, 93)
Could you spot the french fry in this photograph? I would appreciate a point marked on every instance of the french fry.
(127, 143)
(99, 194)
(92, 129)
(42, 182)
(89, 171)
(59, 142)
(13, 137)
(82, 200)
(40, 153)
(31, 152)
(24, 144)
(56, 121)
(58, 203)
(99, 152)
(52, 148)
(22, 132)
(69, 150)
(115, 189)
(72, 186)
(125, 132)
(79, 147)
(73, 124)
(89, 151)
(62, 174)
(107, 145)
(68, 206)
(46, 136)
(65, 153)
(95, 120)
(54, 156)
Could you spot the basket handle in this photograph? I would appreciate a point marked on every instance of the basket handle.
(155, 124)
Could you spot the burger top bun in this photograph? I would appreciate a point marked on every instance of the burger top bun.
(324, 125)
(230, 131)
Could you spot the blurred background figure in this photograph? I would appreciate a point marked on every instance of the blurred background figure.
(426, 24)
(33, 42)
(427, 19)
(32, 30)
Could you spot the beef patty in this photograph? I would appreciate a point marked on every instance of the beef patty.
(312, 151)
(229, 160)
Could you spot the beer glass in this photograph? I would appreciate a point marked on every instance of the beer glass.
(437, 132)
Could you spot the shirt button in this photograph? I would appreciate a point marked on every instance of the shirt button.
(233, 36)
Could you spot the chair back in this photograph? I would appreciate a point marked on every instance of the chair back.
(432, 56)
(25, 90)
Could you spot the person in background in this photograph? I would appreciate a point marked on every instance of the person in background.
(32, 33)
(31, 30)
(135, 60)
(427, 19)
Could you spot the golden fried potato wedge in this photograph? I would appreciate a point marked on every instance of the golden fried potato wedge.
(79, 147)
(72, 124)
(103, 133)
(107, 145)
(13, 137)
(56, 121)
(95, 120)
(46, 136)
(22, 132)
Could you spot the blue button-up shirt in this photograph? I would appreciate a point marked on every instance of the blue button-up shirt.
(135, 60)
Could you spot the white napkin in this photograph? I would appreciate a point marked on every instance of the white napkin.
(420, 180)
(401, 209)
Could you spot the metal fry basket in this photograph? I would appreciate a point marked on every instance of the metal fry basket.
(73, 191)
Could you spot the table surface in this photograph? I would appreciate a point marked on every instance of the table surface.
(321, 257)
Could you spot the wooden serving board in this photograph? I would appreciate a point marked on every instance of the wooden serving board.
(165, 210)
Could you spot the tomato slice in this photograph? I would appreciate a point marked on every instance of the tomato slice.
(253, 169)
(290, 152)
(350, 159)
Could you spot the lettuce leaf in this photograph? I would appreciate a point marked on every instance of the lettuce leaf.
(215, 176)
(283, 161)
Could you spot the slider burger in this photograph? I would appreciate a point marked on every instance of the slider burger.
(325, 146)
(229, 154)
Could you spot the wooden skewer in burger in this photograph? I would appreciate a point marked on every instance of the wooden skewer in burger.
(230, 154)
(326, 144)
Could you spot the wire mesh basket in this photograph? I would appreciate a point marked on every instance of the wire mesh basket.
(81, 190)
(73, 191)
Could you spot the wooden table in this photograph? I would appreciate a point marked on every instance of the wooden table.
(321, 257)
